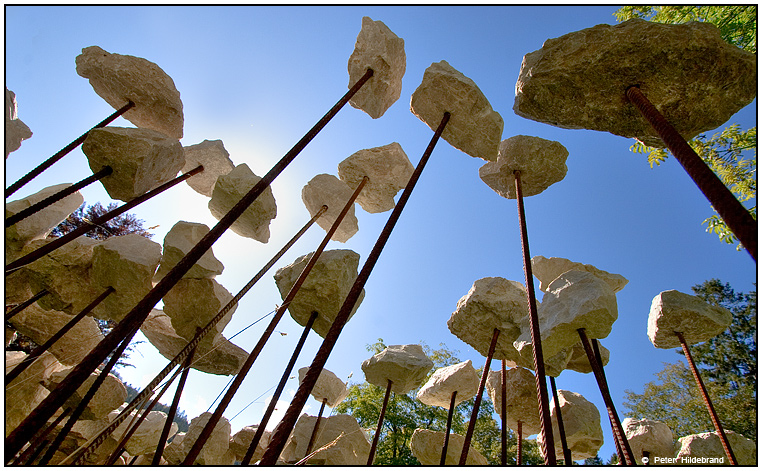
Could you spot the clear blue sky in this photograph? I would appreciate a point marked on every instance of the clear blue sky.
(259, 77)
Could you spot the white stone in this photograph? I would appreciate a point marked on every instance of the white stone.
(25, 392)
(548, 269)
(460, 378)
(214, 451)
(193, 302)
(474, 127)
(650, 436)
(110, 395)
(708, 445)
(406, 366)
(582, 424)
(351, 449)
(119, 78)
(378, 48)
(520, 399)
(328, 190)
(145, 438)
(141, 159)
(15, 129)
(673, 311)
(579, 361)
(328, 387)
(554, 364)
(215, 159)
(388, 169)
(178, 242)
(254, 223)
(426, 446)
(239, 443)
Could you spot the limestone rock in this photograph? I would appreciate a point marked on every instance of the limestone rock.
(126, 263)
(119, 78)
(25, 392)
(15, 129)
(141, 159)
(554, 364)
(405, 365)
(548, 269)
(178, 242)
(474, 127)
(173, 452)
(239, 443)
(81, 432)
(574, 300)
(520, 399)
(540, 161)
(39, 224)
(378, 48)
(215, 159)
(147, 435)
(328, 190)
(325, 288)
(648, 435)
(388, 169)
(215, 450)
(708, 445)
(438, 390)
(110, 395)
(352, 448)
(579, 361)
(582, 424)
(578, 81)
(492, 302)
(254, 223)
(328, 386)
(193, 302)
(426, 445)
(673, 311)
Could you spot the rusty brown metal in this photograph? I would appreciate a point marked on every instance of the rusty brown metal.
(450, 413)
(9, 315)
(373, 445)
(313, 435)
(503, 417)
(707, 400)
(559, 418)
(37, 446)
(519, 439)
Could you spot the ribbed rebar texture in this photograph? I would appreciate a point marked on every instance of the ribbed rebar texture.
(559, 418)
(380, 424)
(313, 435)
(503, 417)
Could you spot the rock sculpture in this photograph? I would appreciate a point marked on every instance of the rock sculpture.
(239, 443)
(650, 436)
(426, 445)
(405, 366)
(26, 391)
(325, 288)
(579, 361)
(110, 395)
(15, 129)
(520, 399)
(351, 449)
(328, 387)
(254, 223)
(706, 448)
(141, 159)
(178, 242)
(215, 159)
(474, 127)
(438, 390)
(548, 269)
(193, 302)
(582, 424)
(120, 78)
(215, 451)
(328, 190)
(80, 433)
(579, 80)
(145, 438)
(554, 364)
(673, 311)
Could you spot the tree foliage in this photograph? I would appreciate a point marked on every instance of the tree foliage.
(123, 224)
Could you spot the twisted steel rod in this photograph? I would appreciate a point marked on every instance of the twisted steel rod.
(503, 417)
(518, 444)
(373, 445)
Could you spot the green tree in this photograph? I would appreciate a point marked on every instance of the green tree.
(732, 153)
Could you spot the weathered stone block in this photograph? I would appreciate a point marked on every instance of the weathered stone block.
(110, 395)
(548, 269)
(406, 366)
(438, 390)
(708, 445)
(328, 387)
(239, 443)
(215, 159)
(193, 302)
(147, 435)
(328, 190)
(426, 445)
(215, 450)
(520, 399)
(647, 435)
(673, 311)
(178, 242)
(352, 448)
(25, 392)
(582, 424)
(15, 129)
(579, 361)
(554, 364)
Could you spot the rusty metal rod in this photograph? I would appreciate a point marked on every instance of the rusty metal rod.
(9, 315)
(69, 236)
(735, 215)
(313, 436)
(29, 359)
(707, 400)
(546, 427)
(450, 412)
(559, 418)
(620, 447)
(26, 212)
(37, 452)
(478, 399)
(518, 444)
(503, 416)
(283, 430)
(278, 391)
(373, 445)
(36, 446)
(58, 155)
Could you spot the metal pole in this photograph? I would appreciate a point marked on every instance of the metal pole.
(503, 417)
(546, 427)
(58, 155)
(518, 444)
(283, 430)
(373, 445)
(617, 443)
(707, 400)
(313, 436)
(450, 412)
(561, 431)
(9, 315)
(735, 215)
(36, 446)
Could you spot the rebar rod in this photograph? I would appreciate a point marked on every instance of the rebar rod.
(58, 155)
(37, 452)
(518, 444)
(283, 430)
(450, 413)
(503, 416)
(314, 433)
(623, 444)
(372, 454)
(735, 215)
(543, 403)
(707, 400)
(9, 315)
(36, 446)
(559, 418)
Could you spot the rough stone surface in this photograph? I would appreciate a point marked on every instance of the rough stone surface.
(378, 48)
(548, 269)
(147, 435)
(119, 78)
(582, 424)
(520, 399)
(648, 435)
(708, 445)
(540, 161)
(110, 395)
(80, 433)
(673, 311)
(474, 127)
(25, 392)
(239, 443)
(254, 223)
(215, 450)
(426, 445)
(192, 303)
(388, 169)
(39, 224)
(126, 263)
(405, 365)
(15, 129)
(173, 452)
(574, 300)
(492, 302)
(579, 361)
(215, 159)
(579, 80)
(352, 448)
(325, 288)
(554, 364)
(438, 390)
(328, 386)
(218, 357)
(178, 242)
(328, 190)
(141, 159)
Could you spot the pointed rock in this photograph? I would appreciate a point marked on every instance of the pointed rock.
(178, 242)
(405, 365)
(673, 311)
(579, 361)
(239, 443)
(15, 129)
(351, 449)
(216, 161)
(328, 190)
(192, 303)
(460, 378)
(328, 387)
(548, 269)
(215, 450)
(426, 445)
(145, 438)
(648, 435)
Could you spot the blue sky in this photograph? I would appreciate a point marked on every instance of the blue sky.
(259, 77)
